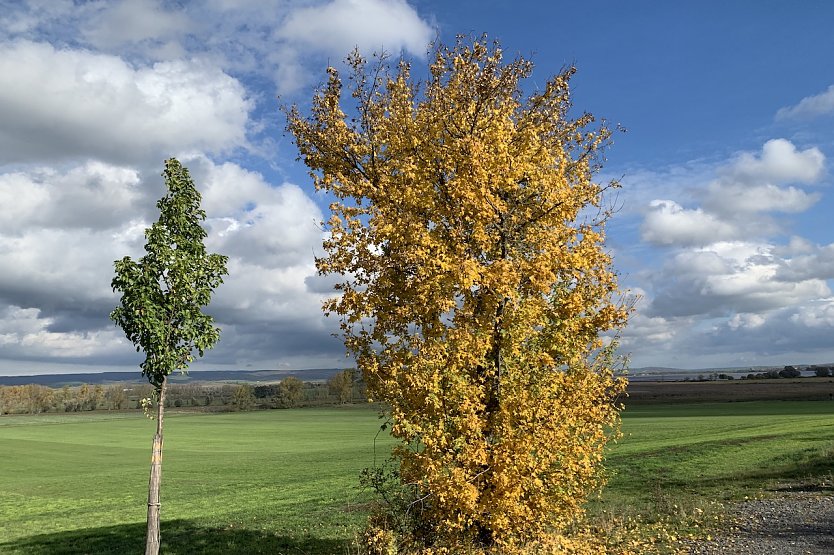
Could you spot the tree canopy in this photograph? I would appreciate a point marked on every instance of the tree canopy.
(468, 231)
(164, 291)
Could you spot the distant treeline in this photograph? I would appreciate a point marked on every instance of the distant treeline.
(193, 376)
(768, 374)
(342, 387)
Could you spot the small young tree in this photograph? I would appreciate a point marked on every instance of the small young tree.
(161, 306)
(469, 233)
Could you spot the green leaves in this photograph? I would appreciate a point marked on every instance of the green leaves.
(164, 291)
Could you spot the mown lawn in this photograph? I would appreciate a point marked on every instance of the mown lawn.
(285, 481)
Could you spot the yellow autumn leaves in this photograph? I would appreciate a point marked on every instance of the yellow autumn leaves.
(468, 232)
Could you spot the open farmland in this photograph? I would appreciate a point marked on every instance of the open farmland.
(285, 481)
(258, 482)
(800, 389)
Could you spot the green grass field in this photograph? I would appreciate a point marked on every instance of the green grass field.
(720, 450)
(285, 481)
(259, 482)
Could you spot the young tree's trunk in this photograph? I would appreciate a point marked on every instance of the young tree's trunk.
(152, 537)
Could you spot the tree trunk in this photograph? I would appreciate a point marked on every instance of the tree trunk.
(152, 537)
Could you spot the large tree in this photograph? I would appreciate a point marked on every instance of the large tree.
(161, 306)
(468, 231)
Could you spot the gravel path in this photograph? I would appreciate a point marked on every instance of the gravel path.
(793, 522)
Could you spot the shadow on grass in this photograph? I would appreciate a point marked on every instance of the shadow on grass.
(178, 537)
(666, 486)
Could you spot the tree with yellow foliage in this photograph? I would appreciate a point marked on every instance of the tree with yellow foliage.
(468, 231)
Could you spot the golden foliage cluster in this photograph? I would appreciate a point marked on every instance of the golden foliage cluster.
(468, 231)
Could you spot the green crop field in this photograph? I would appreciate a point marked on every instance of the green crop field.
(692, 453)
(285, 481)
(281, 481)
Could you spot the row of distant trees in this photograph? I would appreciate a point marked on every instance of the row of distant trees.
(792, 372)
(822, 371)
(771, 374)
(35, 399)
(291, 392)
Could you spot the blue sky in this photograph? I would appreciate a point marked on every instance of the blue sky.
(724, 227)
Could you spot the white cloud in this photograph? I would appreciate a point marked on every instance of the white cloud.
(744, 320)
(735, 288)
(727, 278)
(61, 230)
(816, 315)
(56, 267)
(372, 25)
(797, 334)
(644, 329)
(70, 103)
(271, 235)
(25, 335)
(130, 21)
(809, 107)
(93, 195)
(668, 223)
(337, 27)
(779, 162)
(281, 40)
(30, 16)
(733, 199)
(810, 262)
(739, 202)
(727, 265)
(272, 227)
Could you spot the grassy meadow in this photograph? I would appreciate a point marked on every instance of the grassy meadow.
(285, 481)
(679, 456)
(280, 481)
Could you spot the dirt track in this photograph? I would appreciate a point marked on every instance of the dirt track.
(795, 522)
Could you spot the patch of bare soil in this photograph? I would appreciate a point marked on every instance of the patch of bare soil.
(799, 389)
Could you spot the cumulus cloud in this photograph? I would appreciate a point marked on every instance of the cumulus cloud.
(738, 202)
(25, 336)
(93, 195)
(335, 28)
(271, 234)
(84, 126)
(61, 230)
(65, 276)
(732, 199)
(734, 289)
(278, 40)
(794, 334)
(809, 107)
(391, 25)
(643, 329)
(798, 334)
(810, 262)
(70, 103)
(727, 278)
(668, 223)
(778, 162)
(272, 226)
